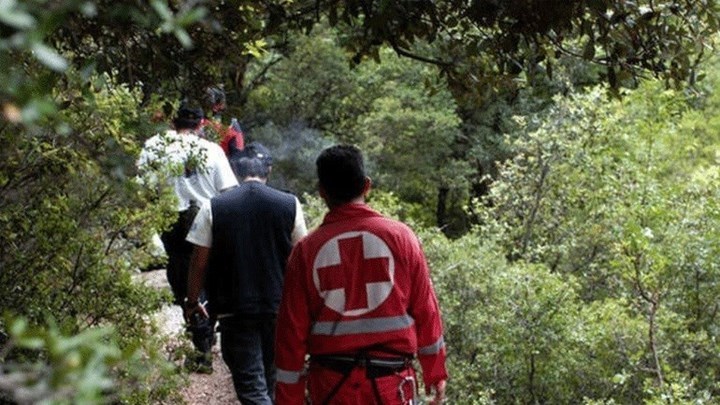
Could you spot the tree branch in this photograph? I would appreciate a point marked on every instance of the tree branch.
(402, 52)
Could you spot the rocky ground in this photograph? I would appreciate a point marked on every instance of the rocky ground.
(205, 389)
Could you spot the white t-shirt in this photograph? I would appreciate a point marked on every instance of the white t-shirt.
(197, 168)
(201, 231)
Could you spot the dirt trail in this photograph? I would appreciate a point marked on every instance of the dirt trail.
(203, 389)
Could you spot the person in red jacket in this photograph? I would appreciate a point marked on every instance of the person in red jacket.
(359, 301)
(231, 138)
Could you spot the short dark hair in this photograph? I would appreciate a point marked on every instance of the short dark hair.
(341, 173)
(249, 167)
(188, 117)
(258, 151)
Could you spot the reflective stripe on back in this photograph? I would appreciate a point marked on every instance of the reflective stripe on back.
(372, 325)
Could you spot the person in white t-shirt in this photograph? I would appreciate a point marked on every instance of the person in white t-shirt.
(198, 170)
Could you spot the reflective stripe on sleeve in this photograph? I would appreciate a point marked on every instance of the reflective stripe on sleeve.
(288, 377)
(433, 348)
(362, 326)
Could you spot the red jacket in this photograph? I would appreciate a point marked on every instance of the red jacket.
(229, 138)
(359, 281)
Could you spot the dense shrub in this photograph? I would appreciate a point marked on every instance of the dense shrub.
(74, 224)
(592, 276)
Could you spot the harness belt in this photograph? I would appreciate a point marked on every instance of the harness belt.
(375, 367)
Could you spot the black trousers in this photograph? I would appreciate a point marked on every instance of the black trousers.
(248, 350)
(179, 252)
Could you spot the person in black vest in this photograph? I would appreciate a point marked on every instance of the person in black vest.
(242, 241)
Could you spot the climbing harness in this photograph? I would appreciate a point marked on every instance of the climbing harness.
(374, 368)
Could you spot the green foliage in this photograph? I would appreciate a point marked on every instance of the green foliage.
(317, 100)
(176, 24)
(406, 131)
(74, 223)
(87, 367)
(558, 197)
(520, 333)
(40, 42)
(314, 209)
(482, 46)
(294, 149)
(384, 202)
(486, 44)
(618, 202)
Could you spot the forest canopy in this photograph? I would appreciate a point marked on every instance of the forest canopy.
(479, 45)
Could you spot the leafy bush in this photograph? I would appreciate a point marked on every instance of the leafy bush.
(606, 198)
(88, 367)
(74, 224)
(406, 130)
(517, 333)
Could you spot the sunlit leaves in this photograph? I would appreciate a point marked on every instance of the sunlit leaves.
(78, 368)
(176, 23)
(35, 54)
(49, 57)
(15, 16)
(614, 195)
(73, 225)
(490, 39)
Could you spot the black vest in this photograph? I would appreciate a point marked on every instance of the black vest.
(252, 227)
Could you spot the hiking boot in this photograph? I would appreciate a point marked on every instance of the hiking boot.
(199, 362)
